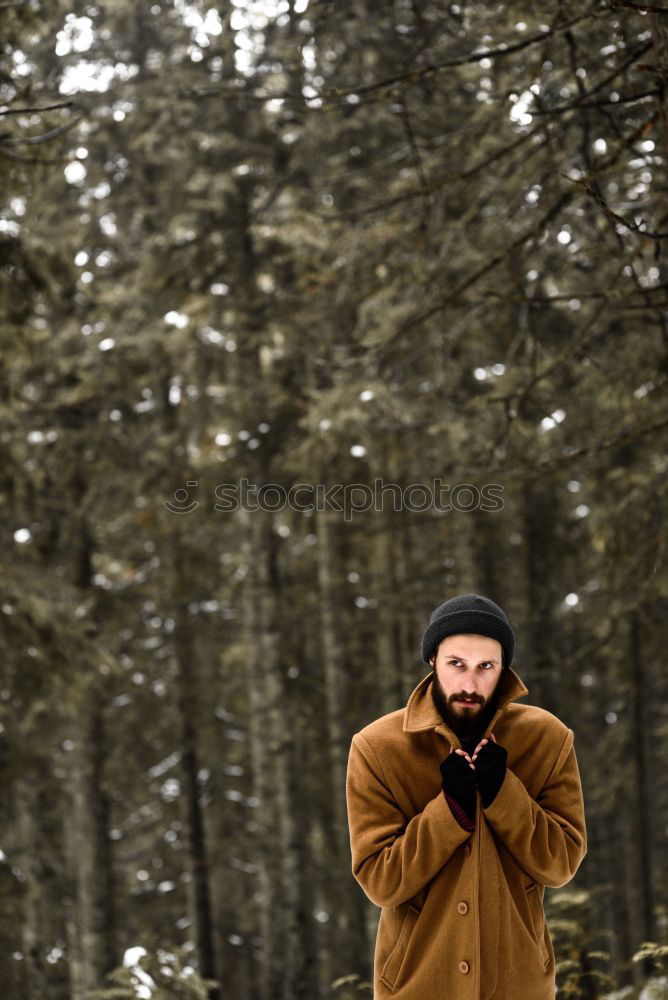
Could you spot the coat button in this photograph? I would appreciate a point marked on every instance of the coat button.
(467, 850)
(463, 907)
(463, 966)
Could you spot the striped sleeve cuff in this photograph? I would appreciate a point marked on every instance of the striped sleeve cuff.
(460, 815)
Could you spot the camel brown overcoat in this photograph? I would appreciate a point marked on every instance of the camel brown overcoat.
(462, 912)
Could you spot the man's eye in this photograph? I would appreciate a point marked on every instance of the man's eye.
(487, 663)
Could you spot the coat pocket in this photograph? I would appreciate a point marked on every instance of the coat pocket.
(392, 966)
(537, 919)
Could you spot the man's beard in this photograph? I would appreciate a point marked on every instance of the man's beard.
(463, 722)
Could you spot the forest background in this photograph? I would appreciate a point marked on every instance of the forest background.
(294, 242)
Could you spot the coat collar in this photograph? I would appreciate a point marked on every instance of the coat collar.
(421, 713)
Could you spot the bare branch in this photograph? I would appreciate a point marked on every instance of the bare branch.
(410, 76)
(580, 101)
(45, 137)
(440, 184)
(615, 294)
(489, 265)
(652, 8)
(594, 192)
(628, 432)
(24, 111)
(417, 163)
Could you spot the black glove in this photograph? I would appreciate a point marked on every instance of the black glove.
(459, 782)
(490, 770)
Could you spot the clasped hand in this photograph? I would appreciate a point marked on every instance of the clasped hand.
(477, 750)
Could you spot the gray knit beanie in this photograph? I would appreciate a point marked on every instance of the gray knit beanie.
(469, 613)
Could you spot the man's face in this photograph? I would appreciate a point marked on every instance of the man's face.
(467, 667)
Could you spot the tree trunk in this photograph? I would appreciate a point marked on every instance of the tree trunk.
(270, 727)
(86, 827)
(33, 944)
(189, 710)
(539, 519)
(350, 921)
(646, 927)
